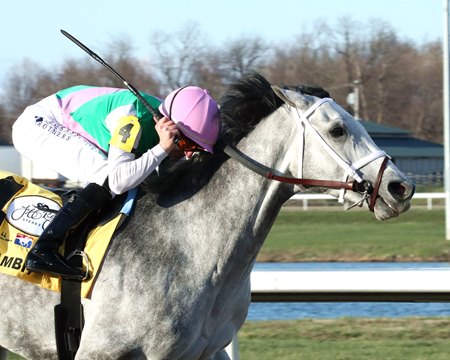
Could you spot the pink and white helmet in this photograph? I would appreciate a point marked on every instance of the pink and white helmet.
(196, 114)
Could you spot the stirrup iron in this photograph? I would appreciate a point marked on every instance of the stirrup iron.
(85, 258)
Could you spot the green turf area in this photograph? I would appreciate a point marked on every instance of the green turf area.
(339, 235)
(345, 339)
(13, 357)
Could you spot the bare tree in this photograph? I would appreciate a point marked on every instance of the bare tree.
(175, 56)
(87, 71)
(21, 88)
(139, 73)
(21, 85)
(400, 82)
(242, 56)
(206, 73)
(5, 126)
(310, 59)
(422, 108)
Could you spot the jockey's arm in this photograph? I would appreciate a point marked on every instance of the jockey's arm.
(126, 172)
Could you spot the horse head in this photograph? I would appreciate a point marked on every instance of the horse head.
(332, 144)
(313, 143)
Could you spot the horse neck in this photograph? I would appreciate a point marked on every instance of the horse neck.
(252, 200)
(218, 231)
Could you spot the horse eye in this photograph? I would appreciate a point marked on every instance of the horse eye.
(337, 131)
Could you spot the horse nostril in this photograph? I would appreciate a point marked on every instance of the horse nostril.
(401, 190)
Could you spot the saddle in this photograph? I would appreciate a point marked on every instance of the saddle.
(26, 209)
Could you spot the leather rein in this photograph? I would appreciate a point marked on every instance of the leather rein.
(365, 187)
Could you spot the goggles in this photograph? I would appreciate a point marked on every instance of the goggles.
(183, 143)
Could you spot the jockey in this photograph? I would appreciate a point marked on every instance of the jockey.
(105, 138)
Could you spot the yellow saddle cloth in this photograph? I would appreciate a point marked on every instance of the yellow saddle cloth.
(24, 222)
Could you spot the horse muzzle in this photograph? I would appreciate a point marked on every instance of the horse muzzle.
(399, 191)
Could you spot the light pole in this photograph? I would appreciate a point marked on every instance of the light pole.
(446, 79)
(353, 98)
(356, 96)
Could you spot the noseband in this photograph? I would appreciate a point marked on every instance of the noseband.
(364, 187)
(374, 194)
(358, 185)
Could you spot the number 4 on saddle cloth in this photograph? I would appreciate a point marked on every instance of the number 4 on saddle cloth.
(26, 209)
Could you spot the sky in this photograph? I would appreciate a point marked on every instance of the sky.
(30, 29)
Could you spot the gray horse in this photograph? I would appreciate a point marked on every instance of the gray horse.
(175, 282)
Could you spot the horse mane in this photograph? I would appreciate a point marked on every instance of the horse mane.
(185, 175)
(251, 99)
(244, 104)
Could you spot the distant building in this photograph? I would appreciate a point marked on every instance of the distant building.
(10, 159)
(422, 161)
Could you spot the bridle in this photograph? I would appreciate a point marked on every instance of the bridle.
(358, 184)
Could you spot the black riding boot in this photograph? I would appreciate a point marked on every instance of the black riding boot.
(8, 188)
(44, 256)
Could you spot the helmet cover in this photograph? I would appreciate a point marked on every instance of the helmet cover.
(196, 114)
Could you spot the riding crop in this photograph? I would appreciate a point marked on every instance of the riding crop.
(156, 114)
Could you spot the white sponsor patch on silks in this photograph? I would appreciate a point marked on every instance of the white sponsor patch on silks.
(31, 214)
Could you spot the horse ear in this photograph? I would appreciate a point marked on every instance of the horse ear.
(282, 95)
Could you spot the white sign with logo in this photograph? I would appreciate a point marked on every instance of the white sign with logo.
(31, 214)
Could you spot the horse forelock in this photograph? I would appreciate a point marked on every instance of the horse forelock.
(312, 90)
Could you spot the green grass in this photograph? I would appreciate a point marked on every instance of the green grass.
(429, 188)
(346, 339)
(12, 356)
(338, 235)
